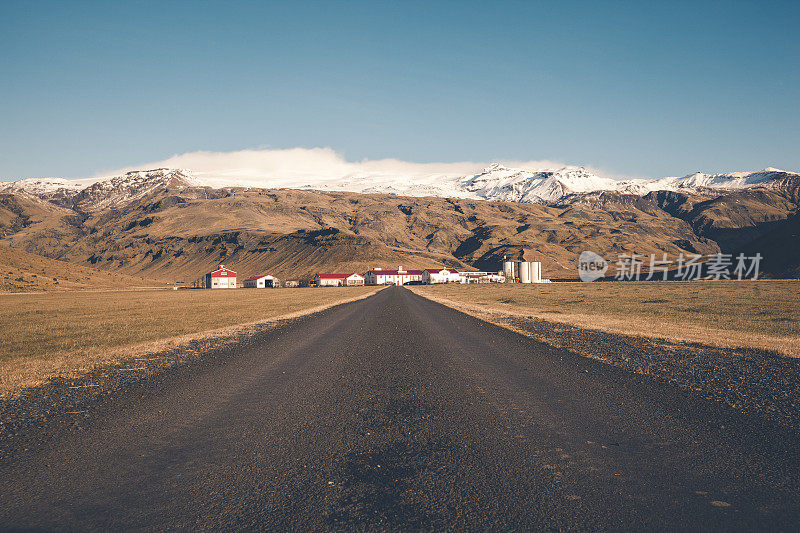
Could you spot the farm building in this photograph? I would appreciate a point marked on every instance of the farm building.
(338, 280)
(378, 276)
(261, 282)
(222, 278)
(482, 277)
(291, 283)
(440, 275)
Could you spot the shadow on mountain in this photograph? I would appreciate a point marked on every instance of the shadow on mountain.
(779, 244)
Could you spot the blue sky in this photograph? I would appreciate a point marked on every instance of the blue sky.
(631, 89)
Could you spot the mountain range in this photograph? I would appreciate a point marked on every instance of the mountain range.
(494, 183)
(173, 225)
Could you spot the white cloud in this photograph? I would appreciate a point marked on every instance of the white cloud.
(296, 167)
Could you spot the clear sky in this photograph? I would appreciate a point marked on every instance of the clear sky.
(631, 89)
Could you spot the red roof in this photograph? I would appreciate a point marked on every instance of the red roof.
(335, 276)
(438, 270)
(219, 273)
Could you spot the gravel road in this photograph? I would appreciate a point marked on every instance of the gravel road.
(395, 412)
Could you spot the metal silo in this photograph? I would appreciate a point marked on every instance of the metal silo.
(536, 272)
(509, 271)
(524, 272)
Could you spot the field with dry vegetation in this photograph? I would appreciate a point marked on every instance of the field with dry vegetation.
(755, 314)
(47, 335)
(21, 271)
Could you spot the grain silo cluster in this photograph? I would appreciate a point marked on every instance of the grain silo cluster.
(522, 271)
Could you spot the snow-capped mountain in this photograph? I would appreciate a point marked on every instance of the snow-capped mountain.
(99, 193)
(52, 189)
(500, 183)
(133, 185)
(699, 180)
(41, 185)
(495, 183)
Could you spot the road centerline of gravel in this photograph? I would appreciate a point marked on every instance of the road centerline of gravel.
(398, 412)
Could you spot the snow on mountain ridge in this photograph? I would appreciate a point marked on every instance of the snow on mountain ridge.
(147, 178)
(132, 185)
(95, 193)
(41, 185)
(495, 182)
(51, 189)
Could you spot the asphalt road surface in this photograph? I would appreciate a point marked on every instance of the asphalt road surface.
(398, 413)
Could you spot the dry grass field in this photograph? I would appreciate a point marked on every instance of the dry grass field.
(758, 314)
(21, 271)
(46, 335)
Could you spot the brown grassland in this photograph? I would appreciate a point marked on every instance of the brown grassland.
(21, 271)
(61, 334)
(755, 314)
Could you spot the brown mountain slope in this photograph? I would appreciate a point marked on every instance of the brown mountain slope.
(733, 218)
(175, 232)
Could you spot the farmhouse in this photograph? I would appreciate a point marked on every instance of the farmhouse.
(338, 280)
(222, 278)
(440, 275)
(378, 276)
(261, 282)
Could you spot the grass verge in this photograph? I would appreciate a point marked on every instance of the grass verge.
(68, 334)
(726, 314)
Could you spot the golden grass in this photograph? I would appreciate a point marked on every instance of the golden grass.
(756, 314)
(48, 335)
(21, 271)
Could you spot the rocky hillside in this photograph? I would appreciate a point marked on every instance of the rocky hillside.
(165, 224)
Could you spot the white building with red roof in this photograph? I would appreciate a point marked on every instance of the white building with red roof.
(338, 280)
(378, 276)
(222, 278)
(440, 275)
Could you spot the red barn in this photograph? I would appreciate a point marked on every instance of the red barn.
(222, 278)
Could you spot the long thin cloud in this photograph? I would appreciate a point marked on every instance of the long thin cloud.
(299, 166)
